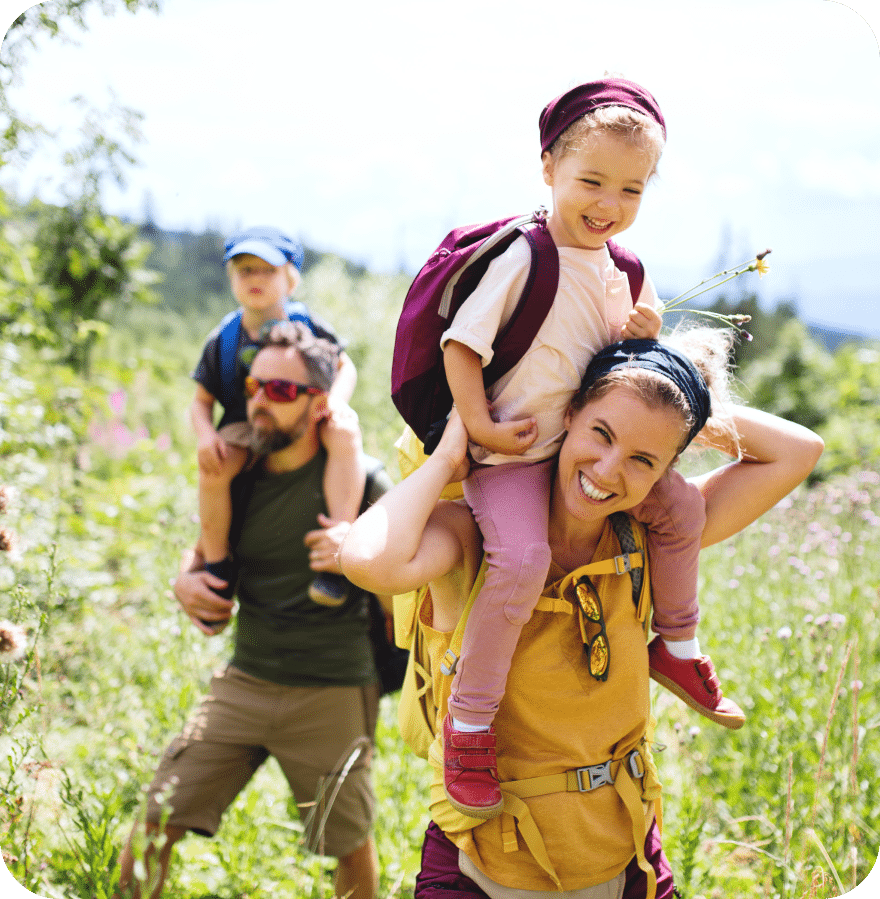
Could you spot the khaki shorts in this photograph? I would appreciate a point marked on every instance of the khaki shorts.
(311, 731)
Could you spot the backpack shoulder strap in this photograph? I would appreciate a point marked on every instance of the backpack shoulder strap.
(297, 311)
(537, 297)
(227, 343)
(630, 264)
(641, 592)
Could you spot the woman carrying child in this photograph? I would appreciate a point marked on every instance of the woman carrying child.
(600, 144)
(574, 728)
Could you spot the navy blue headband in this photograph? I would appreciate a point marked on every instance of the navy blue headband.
(659, 358)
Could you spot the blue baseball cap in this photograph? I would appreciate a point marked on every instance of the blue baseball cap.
(269, 244)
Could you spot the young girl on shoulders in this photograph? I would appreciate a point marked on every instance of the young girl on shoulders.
(600, 145)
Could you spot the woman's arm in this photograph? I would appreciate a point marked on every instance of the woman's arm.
(777, 455)
(405, 540)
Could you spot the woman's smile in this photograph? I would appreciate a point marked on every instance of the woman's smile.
(591, 490)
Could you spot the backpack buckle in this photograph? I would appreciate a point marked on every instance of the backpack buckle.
(449, 662)
(622, 564)
(597, 776)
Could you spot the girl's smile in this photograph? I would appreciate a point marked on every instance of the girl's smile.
(597, 190)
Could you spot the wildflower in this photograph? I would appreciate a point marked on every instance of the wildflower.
(13, 641)
(759, 265)
(736, 320)
(7, 540)
(5, 498)
(784, 633)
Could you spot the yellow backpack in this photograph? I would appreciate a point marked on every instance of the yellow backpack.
(421, 693)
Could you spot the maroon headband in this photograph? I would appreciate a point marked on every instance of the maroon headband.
(566, 109)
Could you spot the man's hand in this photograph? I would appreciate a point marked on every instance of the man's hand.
(209, 612)
(324, 543)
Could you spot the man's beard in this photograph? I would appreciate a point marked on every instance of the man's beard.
(269, 440)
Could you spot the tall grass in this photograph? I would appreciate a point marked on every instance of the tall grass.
(103, 505)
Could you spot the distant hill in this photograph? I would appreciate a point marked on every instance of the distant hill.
(831, 338)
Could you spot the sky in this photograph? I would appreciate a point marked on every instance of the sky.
(371, 129)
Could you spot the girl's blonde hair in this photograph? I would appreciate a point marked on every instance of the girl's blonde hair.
(628, 124)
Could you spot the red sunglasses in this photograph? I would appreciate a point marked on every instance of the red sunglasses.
(277, 390)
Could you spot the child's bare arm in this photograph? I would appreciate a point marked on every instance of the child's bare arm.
(211, 448)
(343, 385)
(644, 322)
(464, 372)
(344, 473)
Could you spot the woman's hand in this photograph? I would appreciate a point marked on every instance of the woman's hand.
(453, 447)
(324, 542)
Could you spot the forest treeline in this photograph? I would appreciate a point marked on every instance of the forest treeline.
(69, 276)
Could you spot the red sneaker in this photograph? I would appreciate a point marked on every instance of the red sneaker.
(470, 773)
(694, 681)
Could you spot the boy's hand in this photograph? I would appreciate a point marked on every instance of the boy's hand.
(340, 432)
(644, 322)
(324, 543)
(211, 452)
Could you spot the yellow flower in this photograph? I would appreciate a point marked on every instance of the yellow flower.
(761, 267)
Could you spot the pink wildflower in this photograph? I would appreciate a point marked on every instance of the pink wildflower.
(13, 641)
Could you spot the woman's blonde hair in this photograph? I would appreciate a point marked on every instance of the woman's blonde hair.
(710, 350)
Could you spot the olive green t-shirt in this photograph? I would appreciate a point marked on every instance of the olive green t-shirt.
(283, 636)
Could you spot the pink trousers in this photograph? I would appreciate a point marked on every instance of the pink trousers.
(510, 503)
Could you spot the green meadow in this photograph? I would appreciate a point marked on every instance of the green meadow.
(98, 476)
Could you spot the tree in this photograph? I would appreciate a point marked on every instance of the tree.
(67, 266)
(52, 18)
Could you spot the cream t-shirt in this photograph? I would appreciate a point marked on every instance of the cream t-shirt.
(591, 306)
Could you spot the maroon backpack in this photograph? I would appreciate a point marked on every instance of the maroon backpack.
(418, 379)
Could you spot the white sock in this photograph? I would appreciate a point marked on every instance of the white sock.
(683, 649)
(469, 728)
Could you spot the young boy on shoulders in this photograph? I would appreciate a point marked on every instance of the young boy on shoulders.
(263, 265)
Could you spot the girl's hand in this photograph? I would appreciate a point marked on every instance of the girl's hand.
(644, 322)
(512, 438)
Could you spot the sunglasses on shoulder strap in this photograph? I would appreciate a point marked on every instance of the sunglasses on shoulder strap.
(278, 390)
(597, 648)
